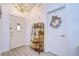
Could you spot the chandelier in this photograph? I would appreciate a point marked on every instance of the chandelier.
(21, 8)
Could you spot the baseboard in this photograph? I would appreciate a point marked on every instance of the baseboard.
(52, 53)
(4, 51)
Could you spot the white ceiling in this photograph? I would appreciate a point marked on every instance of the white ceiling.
(30, 5)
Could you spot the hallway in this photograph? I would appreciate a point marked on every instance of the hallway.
(58, 34)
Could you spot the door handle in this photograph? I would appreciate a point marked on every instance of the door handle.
(62, 35)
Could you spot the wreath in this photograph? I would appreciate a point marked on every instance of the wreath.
(55, 22)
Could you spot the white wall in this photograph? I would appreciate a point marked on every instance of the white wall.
(73, 27)
(27, 29)
(36, 12)
(5, 28)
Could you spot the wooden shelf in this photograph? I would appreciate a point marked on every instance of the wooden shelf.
(37, 37)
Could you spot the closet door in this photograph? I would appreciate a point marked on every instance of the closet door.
(57, 37)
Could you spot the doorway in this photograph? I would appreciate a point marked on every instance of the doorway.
(17, 31)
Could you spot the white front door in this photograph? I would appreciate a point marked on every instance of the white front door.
(57, 38)
(17, 31)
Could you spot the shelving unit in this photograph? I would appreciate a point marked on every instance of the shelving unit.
(37, 37)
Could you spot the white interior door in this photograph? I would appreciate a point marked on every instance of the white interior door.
(57, 37)
(17, 32)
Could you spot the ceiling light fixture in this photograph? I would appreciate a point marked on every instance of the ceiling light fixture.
(21, 8)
